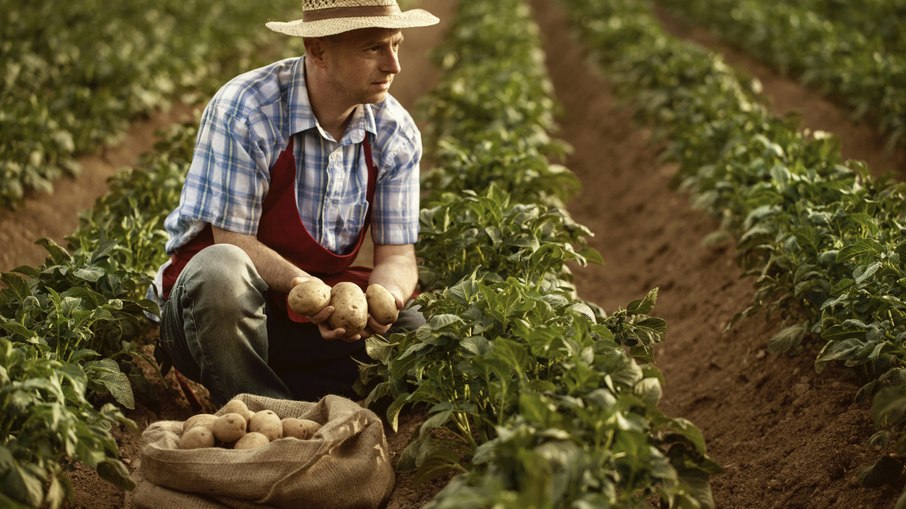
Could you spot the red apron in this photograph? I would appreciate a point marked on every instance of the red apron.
(281, 229)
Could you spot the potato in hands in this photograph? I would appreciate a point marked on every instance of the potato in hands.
(350, 308)
(309, 297)
(381, 304)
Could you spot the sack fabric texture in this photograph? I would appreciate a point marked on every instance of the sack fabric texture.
(345, 465)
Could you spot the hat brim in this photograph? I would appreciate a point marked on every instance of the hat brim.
(322, 28)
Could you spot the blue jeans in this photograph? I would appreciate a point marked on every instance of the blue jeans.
(219, 330)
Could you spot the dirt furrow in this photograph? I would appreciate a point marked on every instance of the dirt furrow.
(56, 215)
(859, 140)
(785, 436)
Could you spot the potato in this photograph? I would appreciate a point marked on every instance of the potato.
(252, 440)
(199, 420)
(309, 297)
(381, 304)
(195, 438)
(302, 429)
(268, 423)
(350, 308)
(229, 427)
(239, 407)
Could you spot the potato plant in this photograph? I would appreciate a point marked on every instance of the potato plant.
(47, 421)
(75, 74)
(856, 68)
(489, 120)
(825, 242)
(492, 233)
(83, 311)
(532, 395)
(497, 356)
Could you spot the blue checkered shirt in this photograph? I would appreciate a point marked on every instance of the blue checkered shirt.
(247, 125)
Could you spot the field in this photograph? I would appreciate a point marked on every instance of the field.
(784, 433)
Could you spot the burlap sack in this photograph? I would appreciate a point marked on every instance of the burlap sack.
(345, 465)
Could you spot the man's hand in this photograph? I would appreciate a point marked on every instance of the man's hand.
(321, 320)
(375, 328)
(322, 317)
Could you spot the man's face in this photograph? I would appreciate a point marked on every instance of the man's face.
(361, 64)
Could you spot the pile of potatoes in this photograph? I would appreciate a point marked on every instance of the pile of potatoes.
(240, 428)
(351, 305)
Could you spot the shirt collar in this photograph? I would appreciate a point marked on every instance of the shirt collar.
(302, 118)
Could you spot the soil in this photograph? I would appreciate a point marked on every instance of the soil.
(786, 436)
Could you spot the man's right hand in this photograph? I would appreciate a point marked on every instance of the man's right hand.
(321, 320)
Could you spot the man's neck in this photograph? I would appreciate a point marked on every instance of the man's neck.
(332, 113)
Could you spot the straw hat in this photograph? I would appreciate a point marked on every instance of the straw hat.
(321, 18)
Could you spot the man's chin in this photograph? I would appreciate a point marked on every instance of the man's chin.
(376, 98)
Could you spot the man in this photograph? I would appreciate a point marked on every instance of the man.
(293, 162)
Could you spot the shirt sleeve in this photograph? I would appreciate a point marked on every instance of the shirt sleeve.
(396, 200)
(228, 177)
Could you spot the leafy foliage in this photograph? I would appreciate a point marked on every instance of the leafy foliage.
(47, 419)
(534, 396)
(70, 329)
(858, 57)
(490, 233)
(826, 243)
(489, 118)
(529, 385)
(76, 73)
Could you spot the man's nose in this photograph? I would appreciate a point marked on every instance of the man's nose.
(391, 63)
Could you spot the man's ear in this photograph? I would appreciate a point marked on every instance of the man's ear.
(314, 50)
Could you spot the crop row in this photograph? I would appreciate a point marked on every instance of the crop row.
(534, 396)
(72, 329)
(858, 71)
(76, 73)
(71, 337)
(878, 20)
(825, 241)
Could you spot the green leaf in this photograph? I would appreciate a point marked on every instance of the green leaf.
(106, 372)
(885, 470)
(645, 305)
(858, 248)
(116, 473)
(787, 339)
(649, 390)
(888, 407)
(868, 272)
(443, 320)
(434, 460)
(394, 409)
(90, 274)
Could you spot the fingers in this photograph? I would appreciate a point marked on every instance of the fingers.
(377, 327)
(322, 316)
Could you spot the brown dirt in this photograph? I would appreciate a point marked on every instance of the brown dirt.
(861, 141)
(787, 437)
(57, 215)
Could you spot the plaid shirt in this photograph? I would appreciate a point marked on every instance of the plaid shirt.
(247, 125)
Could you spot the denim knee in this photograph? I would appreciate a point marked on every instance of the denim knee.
(410, 318)
(216, 324)
(226, 274)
